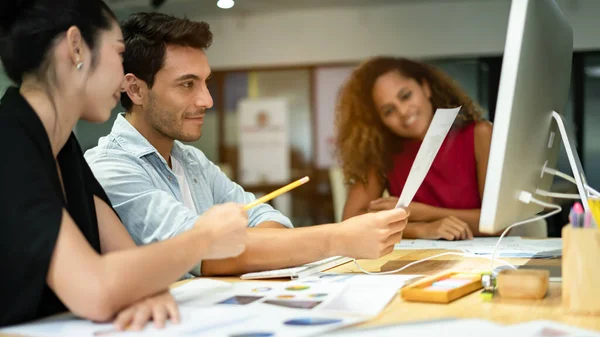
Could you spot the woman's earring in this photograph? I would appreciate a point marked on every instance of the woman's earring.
(79, 65)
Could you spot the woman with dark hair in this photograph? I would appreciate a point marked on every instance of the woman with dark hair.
(383, 113)
(62, 246)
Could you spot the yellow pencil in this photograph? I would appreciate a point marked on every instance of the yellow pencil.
(277, 193)
(595, 208)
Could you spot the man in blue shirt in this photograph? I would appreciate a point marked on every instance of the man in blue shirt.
(160, 186)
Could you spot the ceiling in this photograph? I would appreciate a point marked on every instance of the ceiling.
(209, 7)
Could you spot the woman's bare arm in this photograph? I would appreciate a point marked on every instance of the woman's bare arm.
(360, 195)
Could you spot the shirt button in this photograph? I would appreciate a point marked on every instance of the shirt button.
(169, 177)
(195, 181)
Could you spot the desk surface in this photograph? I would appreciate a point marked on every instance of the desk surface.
(498, 310)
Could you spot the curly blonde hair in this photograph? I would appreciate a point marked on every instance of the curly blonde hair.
(363, 142)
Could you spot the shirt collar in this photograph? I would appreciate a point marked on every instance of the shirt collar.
(134, 142)
(130, 138)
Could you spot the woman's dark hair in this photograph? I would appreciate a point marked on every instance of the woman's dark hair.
(29, 29)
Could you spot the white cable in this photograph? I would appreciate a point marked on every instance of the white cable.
(527, 198)
(544, 193)
(426, 259)
(567, 177)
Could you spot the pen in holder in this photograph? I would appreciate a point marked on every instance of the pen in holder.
(580, 270)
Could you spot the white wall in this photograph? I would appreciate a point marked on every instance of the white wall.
(349, 34)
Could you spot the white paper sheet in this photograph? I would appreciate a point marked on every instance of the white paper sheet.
(362, 294)
(524, 248)
(511, 246)
(544, 328)
(69, 325)
(279, 323)
(283, 308)
(397, 281)
(467, 327)
(434, 328)
(198, 287)
(454, 245)
(355, 298)
(215, 308)
(438, 129)
(361, 299)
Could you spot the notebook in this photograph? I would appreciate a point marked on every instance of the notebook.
(300, 271)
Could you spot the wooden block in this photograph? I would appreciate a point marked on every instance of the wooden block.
(523, 284)
(581, 270)
(442, 288)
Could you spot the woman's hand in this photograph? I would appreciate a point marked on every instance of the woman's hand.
(450, 228)
(158, 308)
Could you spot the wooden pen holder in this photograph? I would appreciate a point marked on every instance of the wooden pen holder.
(581, 270)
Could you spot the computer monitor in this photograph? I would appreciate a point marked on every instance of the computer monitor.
(534, 82)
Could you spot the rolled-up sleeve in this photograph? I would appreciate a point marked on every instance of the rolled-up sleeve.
(224, 190)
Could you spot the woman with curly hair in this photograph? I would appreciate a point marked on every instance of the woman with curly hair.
(383, 113)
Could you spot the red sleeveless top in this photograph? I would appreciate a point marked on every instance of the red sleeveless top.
(452, 179)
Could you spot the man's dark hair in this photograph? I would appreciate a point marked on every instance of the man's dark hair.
(146, 38)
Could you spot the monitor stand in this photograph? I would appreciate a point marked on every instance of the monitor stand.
(574, 161)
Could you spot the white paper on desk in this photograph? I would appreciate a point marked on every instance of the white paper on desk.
(547, 328)
(430, 328)
(363, 294)
(272, 305)
(364, 299)
(361, 299)
(212, 308)
(397, 281)
(443, 119)
(523, 248)
(198, 287)
(212, 321)
(257, 296)
(69, 325)
(466, 327)
(511, 246)
(475, 243)
(288, 323)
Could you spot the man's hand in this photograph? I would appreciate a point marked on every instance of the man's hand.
(450, 228)
(418, 211)
(158, 308)
(227, 225)
(371, 235)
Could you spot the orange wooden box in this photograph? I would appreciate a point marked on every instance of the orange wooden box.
(440, 288)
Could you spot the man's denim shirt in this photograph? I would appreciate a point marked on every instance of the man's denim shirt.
(145, 193)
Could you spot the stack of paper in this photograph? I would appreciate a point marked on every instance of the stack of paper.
(309, 306)
(512, 246)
